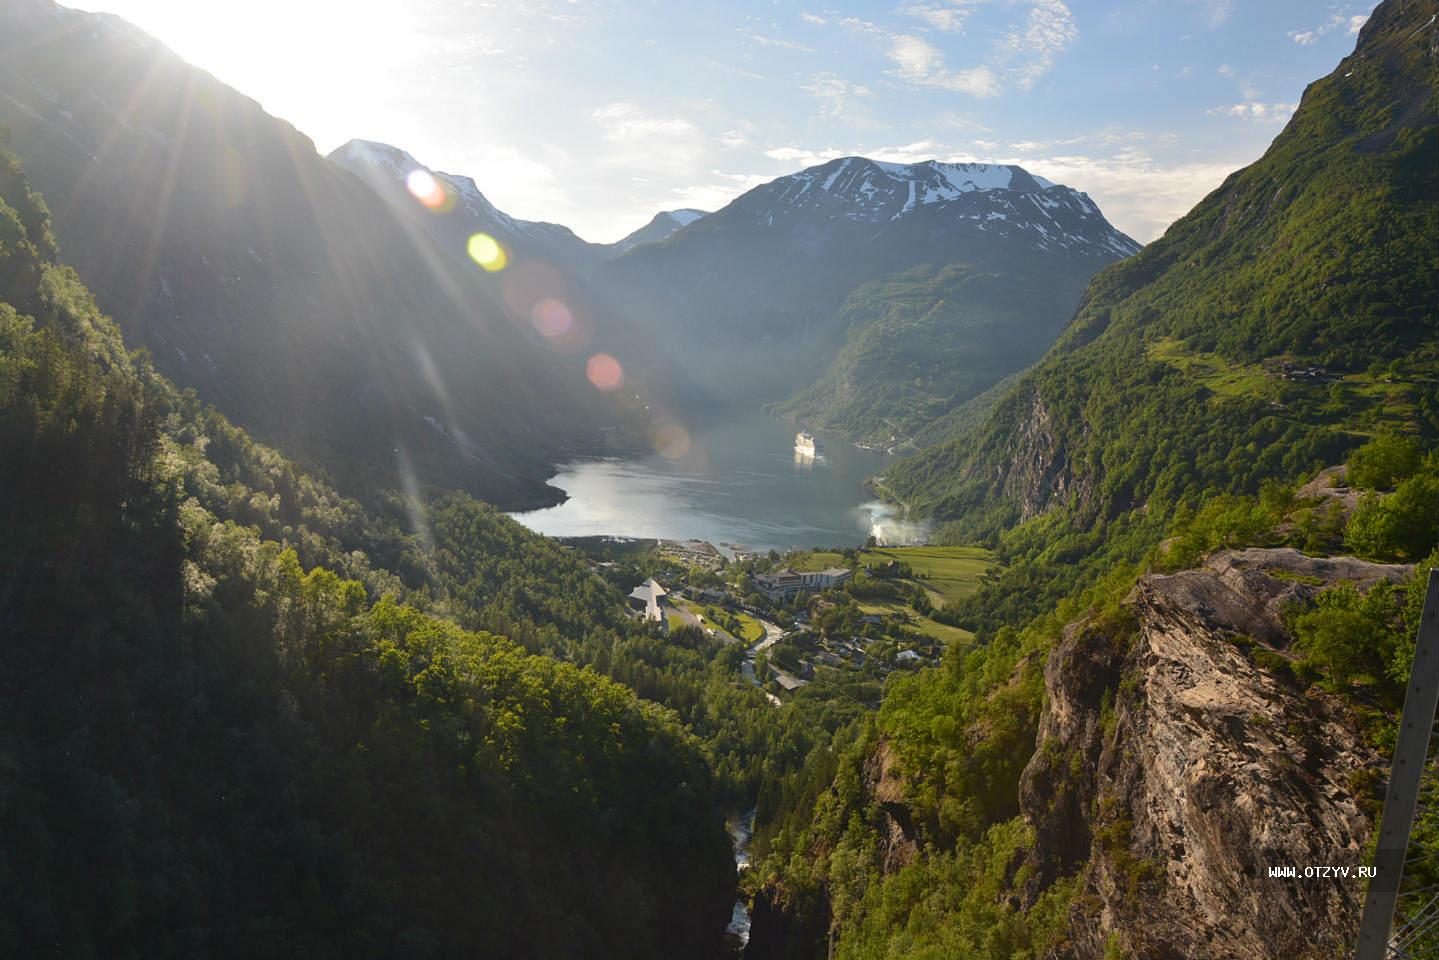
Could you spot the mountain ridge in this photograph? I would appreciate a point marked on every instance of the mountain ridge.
(274, 284)
(460, 194)
(1320, 255)
(749, 302)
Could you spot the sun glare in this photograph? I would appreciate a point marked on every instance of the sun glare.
(552, 318)
(429, 191)
(487, 252)
(605, 372)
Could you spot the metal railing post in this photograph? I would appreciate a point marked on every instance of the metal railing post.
(1401, 797)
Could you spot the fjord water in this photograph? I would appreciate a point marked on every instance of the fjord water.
(738, 482)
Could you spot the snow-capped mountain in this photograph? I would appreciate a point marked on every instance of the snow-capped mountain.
(753, 292)
(664, 224)
(991, 197)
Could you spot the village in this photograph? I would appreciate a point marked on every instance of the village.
(810, 623)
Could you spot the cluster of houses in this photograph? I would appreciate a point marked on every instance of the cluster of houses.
(650, 602)
(1289, 371)
(785, 584)
(693, 553)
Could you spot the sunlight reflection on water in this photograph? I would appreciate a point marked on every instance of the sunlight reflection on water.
(749, 488)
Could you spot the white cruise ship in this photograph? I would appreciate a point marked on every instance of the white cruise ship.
(805, 444)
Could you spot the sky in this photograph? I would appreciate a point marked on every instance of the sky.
(598, 113)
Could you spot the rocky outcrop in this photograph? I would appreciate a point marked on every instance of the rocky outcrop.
(884, 787)
(1173, 770)
(1035, 471)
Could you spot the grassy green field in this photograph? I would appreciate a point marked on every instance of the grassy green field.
(1223, 378)
(947, 573)
(940, 631)
(1370, 404)
(751, 632)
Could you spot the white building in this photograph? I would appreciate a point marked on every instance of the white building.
(825, 579)
(646, 599)
(785, 584)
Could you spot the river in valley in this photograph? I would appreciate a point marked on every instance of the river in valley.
(741, 830)
(734, 480)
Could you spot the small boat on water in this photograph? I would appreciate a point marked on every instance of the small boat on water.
(805, 444)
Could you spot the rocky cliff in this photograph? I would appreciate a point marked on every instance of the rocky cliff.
(1178, 760)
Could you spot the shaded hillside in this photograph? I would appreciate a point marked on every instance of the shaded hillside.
(1290, 312)
(662, 226)
(213, 748)
(451, 209)
(280, 288)
(747, 302)
(919, 345)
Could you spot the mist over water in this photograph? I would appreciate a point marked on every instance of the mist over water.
(889, 527)
(739, 481)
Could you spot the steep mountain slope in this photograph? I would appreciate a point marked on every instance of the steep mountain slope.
(920, 344)
(661, 227)
(1174, 760)
(216, 744)
(451, 208)
(277, 286)
(748, 299)
(1296, 298)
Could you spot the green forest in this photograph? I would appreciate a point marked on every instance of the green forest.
(239, 715)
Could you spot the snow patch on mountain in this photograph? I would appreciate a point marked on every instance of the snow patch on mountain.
(987, 194)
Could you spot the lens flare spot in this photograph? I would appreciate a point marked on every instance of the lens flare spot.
(552, 318)
(425, 188)
(672, 441)
(605, 372)
(487, 252)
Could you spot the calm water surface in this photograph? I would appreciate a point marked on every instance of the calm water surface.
(736, 480)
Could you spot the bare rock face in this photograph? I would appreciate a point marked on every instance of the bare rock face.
(884, 786)
(1035, 470)
(1174, 771)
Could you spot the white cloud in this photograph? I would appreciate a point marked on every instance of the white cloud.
(916, 152)
(1251, 110)
(1215, 13)
(1029, 51)
(1138, 194)
(1024, 52)
(804, 158)
(813, 18)
(839, 99)
(922, 64)
(1349, 23)
(863, 26)
(625, 121)
(718, 191)
(779, 42)
(949, 17)
(957, 121)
